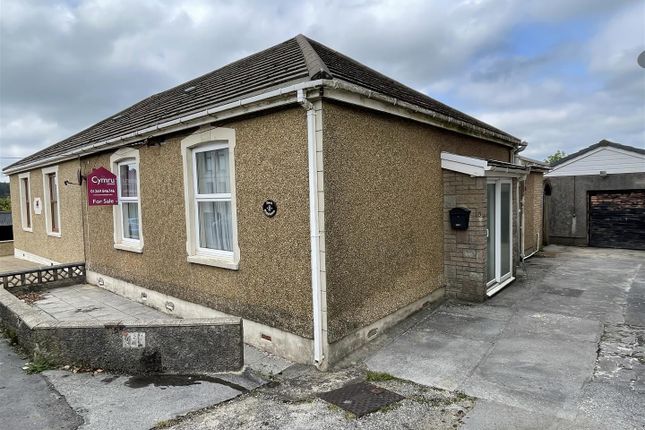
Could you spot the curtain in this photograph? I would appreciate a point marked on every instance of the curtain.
(215, 225)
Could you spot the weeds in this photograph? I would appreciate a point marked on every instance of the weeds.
(38, 364)
(378, 377)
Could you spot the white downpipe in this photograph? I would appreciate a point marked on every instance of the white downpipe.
(523, 221)
(313, 227)
(519, 229)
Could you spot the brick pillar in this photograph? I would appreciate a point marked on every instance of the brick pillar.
(465, 250)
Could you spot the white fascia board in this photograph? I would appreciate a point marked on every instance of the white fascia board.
(462, 164)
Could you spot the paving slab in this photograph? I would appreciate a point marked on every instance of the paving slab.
(489, 415)
(430, 358)
(470, 326)
(554, 326)
(533, 373)
(86, 302)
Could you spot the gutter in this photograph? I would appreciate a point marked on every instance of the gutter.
(316, 290)
(437, 119)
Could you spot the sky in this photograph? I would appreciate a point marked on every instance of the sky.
(557, 74)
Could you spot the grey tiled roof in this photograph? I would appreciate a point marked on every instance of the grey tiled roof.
(342, 67)
(296, 60)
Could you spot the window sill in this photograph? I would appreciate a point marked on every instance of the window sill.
(53, 234)
(131, 248)
(29, 230)
(224, 263)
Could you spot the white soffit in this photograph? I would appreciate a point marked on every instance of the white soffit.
(478, 167)
(462, 164)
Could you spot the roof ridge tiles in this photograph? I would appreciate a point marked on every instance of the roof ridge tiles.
(316, 66)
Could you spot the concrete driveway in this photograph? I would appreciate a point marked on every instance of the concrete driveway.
(563, 347)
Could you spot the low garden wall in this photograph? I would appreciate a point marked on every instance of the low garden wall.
(158, 346)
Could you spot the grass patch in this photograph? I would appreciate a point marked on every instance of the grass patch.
(38, 364)
(459, 396)
(378, 377)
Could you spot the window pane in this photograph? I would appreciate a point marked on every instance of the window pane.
(130, 220)
(53, 201)
(490, 260)
(215, 225)
(53, 191)
(54, 209)
(27, 202)
(212, 172)
(128, 180)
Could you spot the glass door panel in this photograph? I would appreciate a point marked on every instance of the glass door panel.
(499, 253)
(505, 231)
(490, 256)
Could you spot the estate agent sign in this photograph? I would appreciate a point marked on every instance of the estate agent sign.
(101, 187)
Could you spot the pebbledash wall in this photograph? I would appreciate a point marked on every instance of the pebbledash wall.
(384, 214)
(64, 248)
(383, 208)
(272, 285)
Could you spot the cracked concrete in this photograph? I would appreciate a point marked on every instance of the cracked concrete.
(560, 347)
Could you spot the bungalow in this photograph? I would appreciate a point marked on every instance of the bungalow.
(314, 197)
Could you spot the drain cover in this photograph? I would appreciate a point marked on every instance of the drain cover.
(361, 398)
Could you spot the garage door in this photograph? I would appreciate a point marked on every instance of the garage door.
(617, 219)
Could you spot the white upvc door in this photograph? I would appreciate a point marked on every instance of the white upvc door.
(499, 265)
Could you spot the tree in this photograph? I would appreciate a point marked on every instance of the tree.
(555, 157)
(5, 204)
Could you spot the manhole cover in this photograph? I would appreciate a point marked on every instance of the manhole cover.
(361, 398)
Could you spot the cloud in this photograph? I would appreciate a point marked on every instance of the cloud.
(559, 74)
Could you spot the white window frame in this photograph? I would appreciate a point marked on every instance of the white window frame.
(126, 156)
(201, 141)
(500, 277)
(23, 208)
(47, 194)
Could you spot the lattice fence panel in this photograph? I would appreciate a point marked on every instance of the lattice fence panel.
(42, 276)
